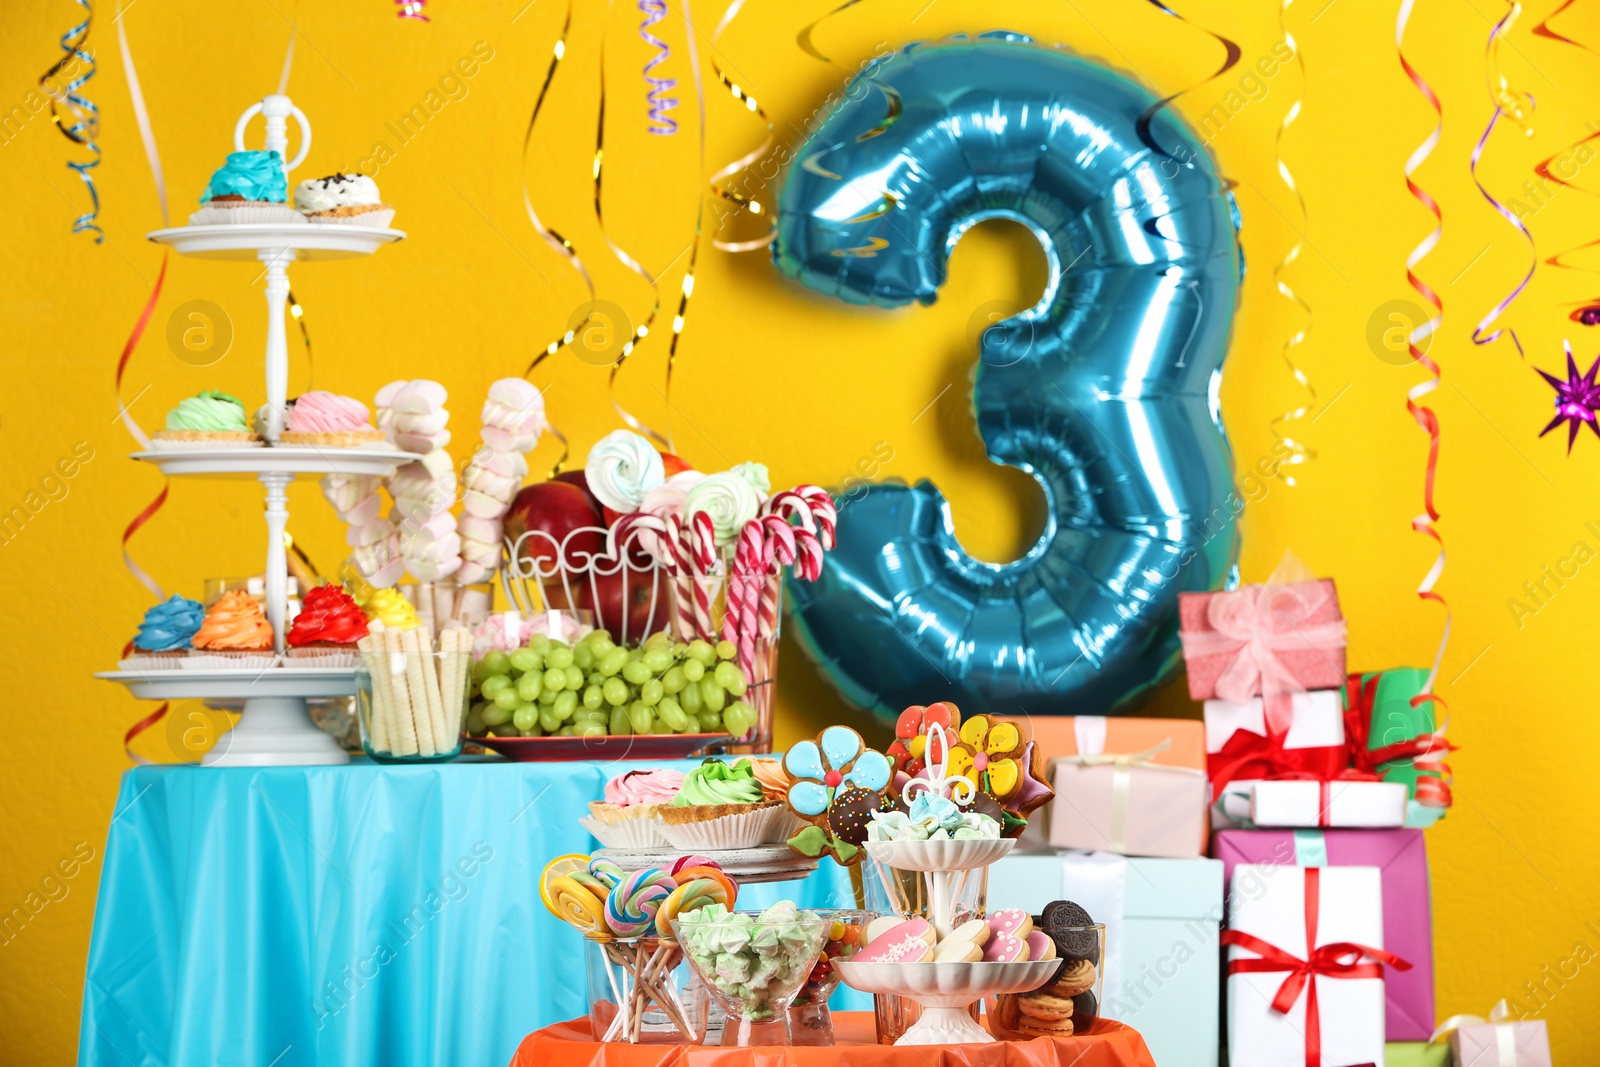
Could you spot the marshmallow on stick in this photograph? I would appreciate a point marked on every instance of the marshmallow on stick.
(513, 419)
(374, 543)
(414, 414)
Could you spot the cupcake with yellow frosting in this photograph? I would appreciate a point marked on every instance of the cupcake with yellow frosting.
(234, 635)
(388, 609)
(720, 806)
(211, 419)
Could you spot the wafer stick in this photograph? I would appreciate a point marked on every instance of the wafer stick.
(408, 742)
(425, 606)
(417, 692)
(458, 643)
(377, 717)
(444, 739)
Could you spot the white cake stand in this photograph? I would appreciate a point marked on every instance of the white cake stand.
(946, 992)
(937, 859)
(276, 729)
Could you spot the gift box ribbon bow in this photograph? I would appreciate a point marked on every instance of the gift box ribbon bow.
(1122, 765)
(1425, 751)
(1253, 625)
(1340, 959)
(1505, 1037)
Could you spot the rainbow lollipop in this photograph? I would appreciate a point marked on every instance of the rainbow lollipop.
(632, 906)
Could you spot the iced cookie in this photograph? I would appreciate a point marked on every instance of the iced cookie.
(964, 945)
(909, 941)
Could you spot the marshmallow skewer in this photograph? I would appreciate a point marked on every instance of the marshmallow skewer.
(513, 418)
(374, 543)
(417, 700)
(423, 490)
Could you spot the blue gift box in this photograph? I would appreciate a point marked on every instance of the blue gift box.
(1162, 966)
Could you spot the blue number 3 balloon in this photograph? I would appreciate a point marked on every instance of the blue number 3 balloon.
(1106, 391)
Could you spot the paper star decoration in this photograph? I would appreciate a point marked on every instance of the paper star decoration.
(1577, 399)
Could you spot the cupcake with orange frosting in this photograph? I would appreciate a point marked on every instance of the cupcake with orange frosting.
(325, 632)
(775, 786)
(234, 635)
(331, 421)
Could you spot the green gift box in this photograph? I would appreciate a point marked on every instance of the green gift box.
(1394, 720)
(1416, 1054)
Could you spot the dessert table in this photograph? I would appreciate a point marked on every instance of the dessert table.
(346, 914)
(1108, 1044)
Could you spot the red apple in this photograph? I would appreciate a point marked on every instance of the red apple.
(610, 611)
(556, 509)
(576, 477)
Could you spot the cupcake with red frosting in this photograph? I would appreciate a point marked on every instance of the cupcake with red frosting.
(325, 632)
(331, 421)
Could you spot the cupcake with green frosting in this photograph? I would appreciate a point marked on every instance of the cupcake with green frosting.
(719, 806)
(212, 419)
(251, 187)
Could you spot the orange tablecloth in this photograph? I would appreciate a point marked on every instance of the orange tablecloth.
(1109, 1044)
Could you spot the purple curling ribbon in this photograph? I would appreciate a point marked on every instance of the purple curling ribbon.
(658, 103)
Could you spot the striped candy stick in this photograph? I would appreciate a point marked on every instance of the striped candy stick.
(779, 550)
(822, 509)
(743, 585)
(701, 541)
(682, 578)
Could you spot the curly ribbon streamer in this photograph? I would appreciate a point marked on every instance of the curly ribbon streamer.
(1416, 342)
(1587, 312)
(1230, 60)
(299, 315)
(1507, 102)
(551, 237)
(656, 102)
(141, 116)
(83, 127)
(625, 258)
(1299, 451)
(412, 9)
(720, 184)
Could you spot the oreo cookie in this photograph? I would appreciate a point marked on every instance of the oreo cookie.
(1067, 924)
(1085, 1009)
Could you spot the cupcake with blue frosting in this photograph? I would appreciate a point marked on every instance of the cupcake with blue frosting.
(251, 187)
(162, 642)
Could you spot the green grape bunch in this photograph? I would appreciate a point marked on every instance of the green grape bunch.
(595, 688)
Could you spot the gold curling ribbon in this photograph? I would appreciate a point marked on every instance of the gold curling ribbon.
(719, 178)
(1299, 451)
(551, 237)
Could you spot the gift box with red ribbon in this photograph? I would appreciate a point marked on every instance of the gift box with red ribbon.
(1405, 915)
(1243, 747)
(1306, 966)
(1391, 730)
(1353, 799)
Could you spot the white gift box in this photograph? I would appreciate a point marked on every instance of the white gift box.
(1270, 902)
(1317, 722)
(1288, 802)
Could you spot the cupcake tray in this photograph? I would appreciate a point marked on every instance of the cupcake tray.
(308, 241)
(307, 461)
(764, 863)
(946, 991)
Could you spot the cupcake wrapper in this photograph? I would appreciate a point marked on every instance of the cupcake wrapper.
(138, 662)
(342, 439)
(229, 661)
(251, 212)
(631, 833)
(195, 440)
(377, 219)
(743, 830)
(322, 657)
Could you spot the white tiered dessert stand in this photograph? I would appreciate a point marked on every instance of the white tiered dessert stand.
(275, 728)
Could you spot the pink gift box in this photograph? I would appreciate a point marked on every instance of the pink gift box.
(1263, 639)
(1493, 1044)
(1407, 906)
(1153, 811)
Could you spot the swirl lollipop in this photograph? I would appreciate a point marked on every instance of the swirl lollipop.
(571, 902)
(606, 872)
(634, 902)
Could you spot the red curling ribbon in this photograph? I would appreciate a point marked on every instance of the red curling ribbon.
(140, 727)
(1425, 751)
(1340, 959)
(1425, 523)
(1247, 755)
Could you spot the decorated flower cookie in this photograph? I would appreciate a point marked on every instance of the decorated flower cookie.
(835, 783)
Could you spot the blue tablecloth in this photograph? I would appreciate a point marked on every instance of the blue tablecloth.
(344, 915)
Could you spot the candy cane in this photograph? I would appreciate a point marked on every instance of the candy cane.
(690, 562)
(780, 549)
(823, 509)
(682, 578)
(744, 579)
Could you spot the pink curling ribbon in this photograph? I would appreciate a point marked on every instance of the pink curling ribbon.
(1425, 523)
(655, 99)
(1253, 625)
(1507, 102)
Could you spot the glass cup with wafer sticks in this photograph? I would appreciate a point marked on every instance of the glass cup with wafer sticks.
(411, 693)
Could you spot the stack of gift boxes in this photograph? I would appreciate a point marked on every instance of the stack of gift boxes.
(1307, 934)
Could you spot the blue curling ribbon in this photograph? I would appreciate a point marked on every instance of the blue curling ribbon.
(660, 122)
(84, 125)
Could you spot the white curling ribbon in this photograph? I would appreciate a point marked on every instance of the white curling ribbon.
(1122, 766)
(621, 468)
(1505, 1035)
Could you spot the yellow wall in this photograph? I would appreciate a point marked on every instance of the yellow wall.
(473, 293)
